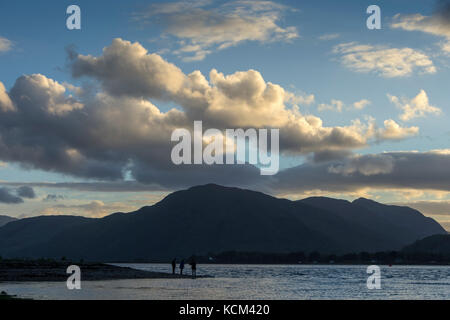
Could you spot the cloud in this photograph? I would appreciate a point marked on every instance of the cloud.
(53, 197)
(339, 106)
(384, 61)
(97, 186)
(359, 105)
(7, 197)
(417, 107)
(299, 99)
(329, 36)
(141, 74)
(202, 29)
(437, 24)
(329, 155)
(366, 165)
(389, 170)
(5, 102)
(118, 130)
(5, 44)
(93, 209)
(335, 105)
(431, 207)
(26, 192)
(393, 131)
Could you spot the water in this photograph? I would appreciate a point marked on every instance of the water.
(257, 282)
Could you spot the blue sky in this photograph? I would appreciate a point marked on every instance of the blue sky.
(308, 64)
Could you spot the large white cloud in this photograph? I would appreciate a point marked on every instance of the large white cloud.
(118, 129)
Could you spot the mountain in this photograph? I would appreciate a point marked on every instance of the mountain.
(213, 218)
(390, 227)
(5, 219)
(436, 244)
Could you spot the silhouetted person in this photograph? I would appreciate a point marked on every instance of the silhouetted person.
(181, 267)
(194, 268)
(174, 265)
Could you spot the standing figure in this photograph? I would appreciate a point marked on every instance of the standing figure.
(174, 265)
(181, 267)
(194, 268)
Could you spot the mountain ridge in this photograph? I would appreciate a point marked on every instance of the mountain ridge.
(6, 219)
(213, 218)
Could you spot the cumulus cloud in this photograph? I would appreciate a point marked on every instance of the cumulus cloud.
(437, 24)
(393, 131)
(384, 61)
(118, 130)
(417, 107)
(6, 196)
(5, 102)
(202, 29)
(26, 192)
(5, 44)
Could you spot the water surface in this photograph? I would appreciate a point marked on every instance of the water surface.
(257, 282)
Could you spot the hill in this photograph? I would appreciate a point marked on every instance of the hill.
(5, 219)
(213, 218)
(436, 245)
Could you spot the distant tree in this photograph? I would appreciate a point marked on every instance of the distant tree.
(364, 256)
(314, 256)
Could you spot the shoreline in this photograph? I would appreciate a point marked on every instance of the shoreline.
(51, 271)
(380, 263)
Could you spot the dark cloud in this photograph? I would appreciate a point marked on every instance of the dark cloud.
(392, 170)
(329, 155)
(403, 170)
(442, 11)
(104, 186)
(7, 197)
(26, 192)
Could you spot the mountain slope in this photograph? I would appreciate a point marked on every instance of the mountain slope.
(5, 219)
(390, 227)
(213, 218)
(437, 244)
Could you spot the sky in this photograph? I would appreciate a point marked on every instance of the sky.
(86, 115)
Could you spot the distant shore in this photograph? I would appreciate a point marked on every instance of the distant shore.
(5, 296)
(31, 270)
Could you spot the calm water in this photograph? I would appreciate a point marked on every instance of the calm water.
(258, 282)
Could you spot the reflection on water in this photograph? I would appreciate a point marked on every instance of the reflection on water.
(257, 282)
